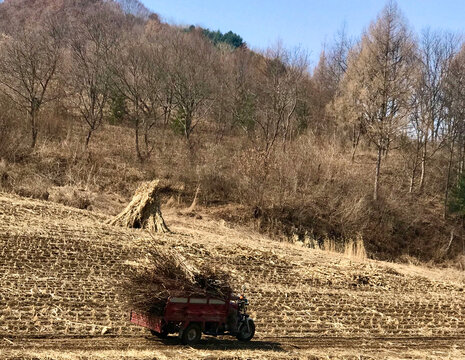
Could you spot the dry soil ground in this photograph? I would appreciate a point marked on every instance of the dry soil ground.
(59, 269)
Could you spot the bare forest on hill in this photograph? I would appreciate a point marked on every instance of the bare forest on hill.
(97, 96)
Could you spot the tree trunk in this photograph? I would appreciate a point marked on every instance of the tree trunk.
(146, 143)
(138, 152)
(34, 129)
(287, 124)
(378, 167)
(187, 126)
(449, 170)
(423, 166)
(89, 134)
(412, 178)
(167, 108)
(148, 125)
(355, 142)
(462, 158)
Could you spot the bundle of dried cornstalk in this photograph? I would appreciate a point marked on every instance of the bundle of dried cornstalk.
(144, 209)
(147, 286)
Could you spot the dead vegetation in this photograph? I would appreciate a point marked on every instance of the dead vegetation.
(397, 225)
(161, 274)
(143, 212)
(201, 116)
(60, 268)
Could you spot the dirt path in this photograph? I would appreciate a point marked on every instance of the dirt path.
(275, 347)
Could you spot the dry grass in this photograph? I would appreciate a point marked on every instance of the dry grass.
(355, 249)
(352, 249)
(311, 188)
(318, 353)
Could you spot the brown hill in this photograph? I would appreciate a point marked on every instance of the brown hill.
(247, 133)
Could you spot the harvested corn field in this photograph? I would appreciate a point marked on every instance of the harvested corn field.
(60, 269)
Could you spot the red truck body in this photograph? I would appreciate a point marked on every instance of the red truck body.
(185, 310)
(190, 316)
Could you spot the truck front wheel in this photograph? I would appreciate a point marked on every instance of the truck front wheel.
(246, 332)
(191, 335)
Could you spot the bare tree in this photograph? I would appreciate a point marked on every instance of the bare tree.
(327, 77)
(454, 122)
(437, 50)
(378, 83)
(281, 75)
(92, 45)
(191, 73)
(28, 68)
(138, 79)
(241, 103)
(333, 62)
(414, 140)
(135, 8)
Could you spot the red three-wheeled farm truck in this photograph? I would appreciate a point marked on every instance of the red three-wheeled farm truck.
(191, 316)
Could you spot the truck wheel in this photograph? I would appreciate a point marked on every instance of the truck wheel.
(191, 335)
(245, 334)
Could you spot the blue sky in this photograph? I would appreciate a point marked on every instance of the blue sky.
(304, 23)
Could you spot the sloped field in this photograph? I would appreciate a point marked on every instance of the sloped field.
(59, 269)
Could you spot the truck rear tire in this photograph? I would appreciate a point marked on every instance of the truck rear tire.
(191, 335)
(246, 333)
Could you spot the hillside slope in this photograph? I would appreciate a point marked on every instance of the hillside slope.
(59, 269)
